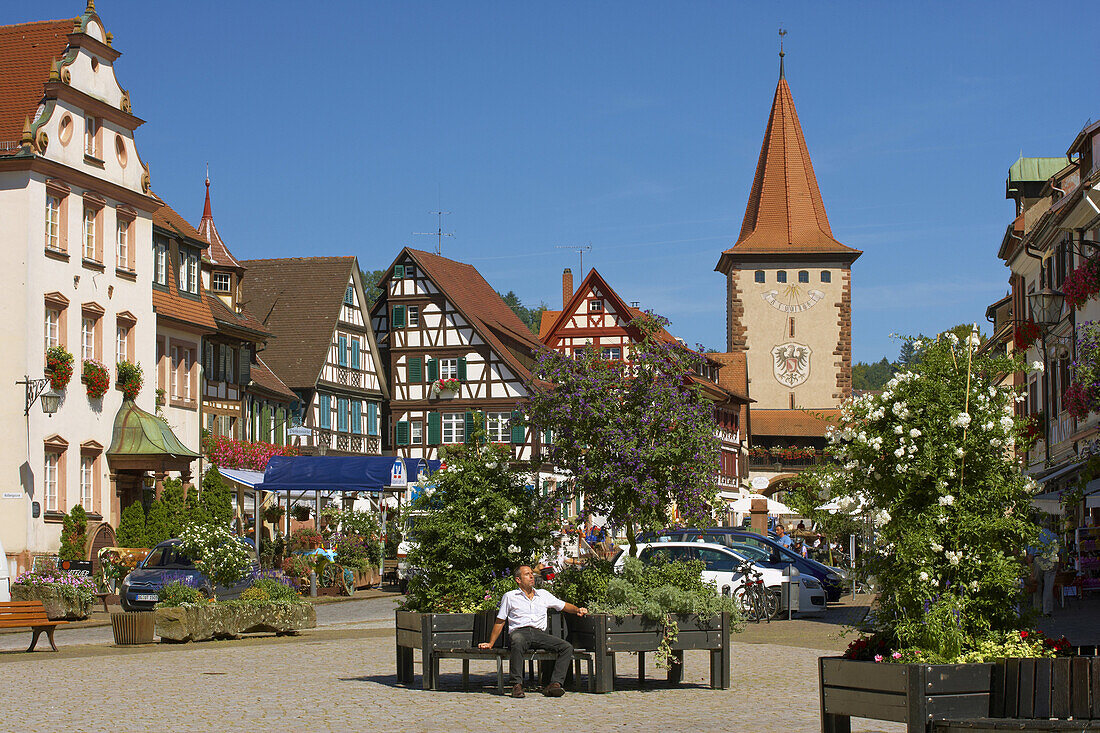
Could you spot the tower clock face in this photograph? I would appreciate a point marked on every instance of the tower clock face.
(793, 298)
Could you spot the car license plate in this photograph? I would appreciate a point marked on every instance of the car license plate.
(145, 597)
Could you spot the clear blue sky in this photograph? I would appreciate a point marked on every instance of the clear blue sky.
(335, 127)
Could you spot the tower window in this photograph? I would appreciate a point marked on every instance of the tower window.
(781, 276)
(803, 276)
(759, 276)
(792, 326)
(826, 276)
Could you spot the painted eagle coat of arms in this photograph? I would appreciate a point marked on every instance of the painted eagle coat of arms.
(791, 363)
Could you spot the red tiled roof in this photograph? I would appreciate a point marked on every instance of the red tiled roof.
(170, 303)
(298, 300)
(793, 423)
(26, 52)
(733, 376)
(785, 213)
(266, 380)
(169, 219)
(218, 254)
(547, 322)
(468, 291)
(224, 315)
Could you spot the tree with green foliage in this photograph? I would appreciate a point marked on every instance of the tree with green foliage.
(370, 280)
(638, 442)
(74, 534)
(215, 499)
(131, 527)
(872, 376)
(175, 506)
(531, 317)
(156, 524)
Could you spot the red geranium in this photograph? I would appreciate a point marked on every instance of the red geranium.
(96, 378)
(59, 366)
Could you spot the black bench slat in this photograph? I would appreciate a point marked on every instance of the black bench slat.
(1012, 688)
(1041, 706)
(1079, 674)
(997, 691)
(1060, 688)
(1094, 684)
(1027, 689)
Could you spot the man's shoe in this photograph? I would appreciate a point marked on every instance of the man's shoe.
(553, 690)
(517, 690)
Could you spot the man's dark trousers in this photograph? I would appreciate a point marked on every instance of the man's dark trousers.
(528, 637)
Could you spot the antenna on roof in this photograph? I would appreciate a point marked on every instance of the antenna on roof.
(579, 249)
(440, 233)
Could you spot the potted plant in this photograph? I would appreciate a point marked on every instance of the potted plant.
(1082, 283)
(96, 378)
(274, 513)
(300, 512)
(923, 463)
(305, 538)
(1025, 334)
(129, 379)
(65, 594)
(448, 386)
(59, 367)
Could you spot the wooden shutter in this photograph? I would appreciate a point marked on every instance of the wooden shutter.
(435, 429)
(280, 427)
(342, 351)
(355, 353)
(416, 373)
(462, 368)
(398, 316)
(246, 365)
(324, 416)
(547, 436)
(357, 417)
(469, 427)
(398, 271)
(342, 414)
(208, 361)
(433, 370)
(372, 418)
(265, 422)
(401, 436)
(516, 423)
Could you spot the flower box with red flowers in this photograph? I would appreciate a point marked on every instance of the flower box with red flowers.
(1026, 333)
(96, 378)
(59, 367)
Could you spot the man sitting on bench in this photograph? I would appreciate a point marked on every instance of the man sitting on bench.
(525, 611)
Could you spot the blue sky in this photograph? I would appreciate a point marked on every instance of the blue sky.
(336, 127)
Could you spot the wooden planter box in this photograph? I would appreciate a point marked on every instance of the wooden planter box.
(605, 635)
(367, 578)
(430, 632)
(133, 628)
(914, 694)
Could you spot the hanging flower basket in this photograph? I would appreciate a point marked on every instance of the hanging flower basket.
(59, 367)
(129, 379)
(1082, 284)
(1026, 333)
(1078, 400)
(96, 378)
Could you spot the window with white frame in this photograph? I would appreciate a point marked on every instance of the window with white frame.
(595, 306)
(89, 233)
(88, 326)
(122, 244)
(220, 282)
(160, 260)
(91, 126)
(416, 432)
(175, 367)
(497, 425)
(448, 369)
(53, 327)
(189, 270)
(53, 459)
(414, 315)
(611, 352)
(185, 372)
(87, 481)
(53, 222)
(454, 427)
(122, 342)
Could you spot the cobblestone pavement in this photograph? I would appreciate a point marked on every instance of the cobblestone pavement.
(337, 679)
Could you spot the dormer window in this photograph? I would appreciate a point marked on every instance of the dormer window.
(189, 270)
(221, 282)
(595, 306)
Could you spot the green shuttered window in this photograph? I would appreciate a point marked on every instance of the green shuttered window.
(470, 427)
(517, 426)
(398, 271)
(399, 316)
(433, 370)
(415, 371)
(462, 368)
(402, 433)
(435, 429)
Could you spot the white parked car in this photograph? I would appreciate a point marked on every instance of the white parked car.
(722, 564)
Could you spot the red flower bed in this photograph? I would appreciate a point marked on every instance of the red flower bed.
(228, 453)
(96, 378)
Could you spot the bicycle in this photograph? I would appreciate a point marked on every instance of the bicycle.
(755, 601)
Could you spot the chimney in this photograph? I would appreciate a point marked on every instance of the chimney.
(566, 287)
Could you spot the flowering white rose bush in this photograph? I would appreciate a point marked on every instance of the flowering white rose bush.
(924, 463)
(479, 523)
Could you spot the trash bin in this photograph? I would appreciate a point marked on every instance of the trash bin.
(133, 627)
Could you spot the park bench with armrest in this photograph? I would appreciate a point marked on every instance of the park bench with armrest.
(31, 615)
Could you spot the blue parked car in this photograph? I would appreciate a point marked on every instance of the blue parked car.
(166, 563)
(750, 543)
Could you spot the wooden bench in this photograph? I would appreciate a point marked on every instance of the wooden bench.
(29, 614)
(389, 571)
(1039, 695)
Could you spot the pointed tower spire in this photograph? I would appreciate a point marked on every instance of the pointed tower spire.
(206, 207)
(785, 213)
(218, 253)
(782, 74)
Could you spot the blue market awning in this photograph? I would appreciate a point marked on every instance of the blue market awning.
(343, 473)
(242, 476)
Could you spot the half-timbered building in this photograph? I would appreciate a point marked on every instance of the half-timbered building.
(595, 317)
(452, 349)
(323, 348)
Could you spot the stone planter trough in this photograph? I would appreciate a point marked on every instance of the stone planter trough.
(230, 620)
(57, 606)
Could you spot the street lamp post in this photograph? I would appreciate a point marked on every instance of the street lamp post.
(1046, 312)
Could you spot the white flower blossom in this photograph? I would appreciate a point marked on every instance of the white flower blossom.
(1038, 366)
(898, 429)
(953, 557)
(958, 452)
(923, 576)
(936, 546)
(513, 549)
(961, 420)
(973, 585)
(947, 500)
(914, 433)
(952, 338)
(900, 452)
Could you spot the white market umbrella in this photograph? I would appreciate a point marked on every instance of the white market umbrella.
(744, 505)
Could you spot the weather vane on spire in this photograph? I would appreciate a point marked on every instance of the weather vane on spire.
(782, 33)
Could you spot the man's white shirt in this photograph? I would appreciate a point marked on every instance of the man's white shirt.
(519, 610)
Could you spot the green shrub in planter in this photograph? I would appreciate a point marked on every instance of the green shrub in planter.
(179, 594)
